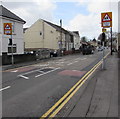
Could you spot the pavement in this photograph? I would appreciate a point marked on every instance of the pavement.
(98, 97)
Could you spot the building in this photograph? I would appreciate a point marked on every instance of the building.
(6, 16)
(76, 38)
(45, 35)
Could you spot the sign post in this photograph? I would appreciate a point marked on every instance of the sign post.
(106, 22)
(8, 31)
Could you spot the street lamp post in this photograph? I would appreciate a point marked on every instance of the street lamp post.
(61, 37)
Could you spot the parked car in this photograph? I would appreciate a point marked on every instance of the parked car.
(53, 53)
(87, 49)
(100, 49)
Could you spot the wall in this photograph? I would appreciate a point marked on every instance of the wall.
(32, 37)
(51, 37)
(6, 59)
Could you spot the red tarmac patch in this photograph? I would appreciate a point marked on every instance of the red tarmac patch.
(72, 73)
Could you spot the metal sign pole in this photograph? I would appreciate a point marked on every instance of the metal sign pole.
(111, 40)
(12, 51)
(103, 63)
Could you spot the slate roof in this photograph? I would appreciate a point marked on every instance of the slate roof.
(8, 14)
(58, 28)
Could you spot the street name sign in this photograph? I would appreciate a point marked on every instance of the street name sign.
(106, 19)
(8, 28)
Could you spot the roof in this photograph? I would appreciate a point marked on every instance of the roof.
(76, 32)
(24, 29)
(56, 26)
(7, 13)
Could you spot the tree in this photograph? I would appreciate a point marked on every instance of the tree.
(83, 39)
(94, 40)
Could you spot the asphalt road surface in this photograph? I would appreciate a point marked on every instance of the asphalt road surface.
(32, 90)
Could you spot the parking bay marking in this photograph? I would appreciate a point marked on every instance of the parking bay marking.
(47, 72)
(5, 88)
(25, 77)
(40, 70)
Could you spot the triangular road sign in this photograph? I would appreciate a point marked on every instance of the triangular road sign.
(7, 27)
(106, 18)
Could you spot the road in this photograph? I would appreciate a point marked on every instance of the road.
(30, 91)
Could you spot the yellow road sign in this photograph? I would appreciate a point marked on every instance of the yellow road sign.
(8, 28)
(103, 30)
(106, 19)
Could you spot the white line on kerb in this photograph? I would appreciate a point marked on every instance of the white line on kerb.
(46, 72)
(5, 88)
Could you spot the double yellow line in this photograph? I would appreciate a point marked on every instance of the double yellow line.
(60, 104)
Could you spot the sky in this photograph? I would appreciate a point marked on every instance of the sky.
(77, 15)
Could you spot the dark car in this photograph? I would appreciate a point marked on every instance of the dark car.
(88, 49)
(53, 53)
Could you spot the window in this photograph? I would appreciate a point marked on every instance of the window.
(51, 31)
(10, 49)
(40, 33)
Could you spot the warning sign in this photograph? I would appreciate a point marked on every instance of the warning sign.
(106, 19)
(8, 28)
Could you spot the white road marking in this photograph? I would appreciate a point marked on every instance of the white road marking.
(5, 88)
(61, 60)
(51, 67)
(44, 65)
(41, 71)
(74, 70)
(47, 72)
(33, 71)
(70, 64)
(25, 77)
(15, 71)
(78, 58)
(83, 58)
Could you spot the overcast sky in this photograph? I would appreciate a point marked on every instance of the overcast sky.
(79, 15)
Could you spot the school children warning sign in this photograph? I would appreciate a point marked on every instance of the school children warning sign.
(8, 28)
(106, 19)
